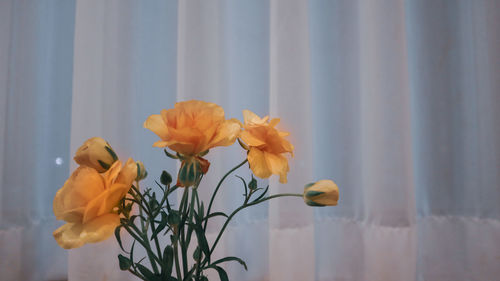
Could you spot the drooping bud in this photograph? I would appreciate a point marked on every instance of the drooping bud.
(96, 153)
(321, 193)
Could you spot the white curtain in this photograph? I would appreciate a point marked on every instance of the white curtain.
(397, 101)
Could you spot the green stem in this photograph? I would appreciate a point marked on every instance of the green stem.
(136, 274)
(217, 189)
(183, 209)
(241, 208)
(146, 246)
(176, 255)
(157, 243)
(145, 233)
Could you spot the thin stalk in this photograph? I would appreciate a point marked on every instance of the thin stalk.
(241, 208)
(217, 189)
(183, 209)
(145, 233)
(176, 256)
(146, 246)
(136, 274)
(157, 243)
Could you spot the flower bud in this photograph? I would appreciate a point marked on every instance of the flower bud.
(252, 184)
(96, 153)
(191, 170)
(321, 193)
(165, 178)
(141, 171)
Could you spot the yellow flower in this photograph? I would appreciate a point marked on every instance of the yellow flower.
(267, 146)
(321, 193)
(96, 153)
(192, 127)
(86, 203)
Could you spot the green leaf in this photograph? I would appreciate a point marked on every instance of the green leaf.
(314, 204)
(168, 260)
(262, 194)
(161, 226)
(125, 263)
(118, 237)
(146, 272)
(231, 259)
(309, 185)
(201, 210)
(313, 193)
(173, 238)
(153, 204)
(104, 165)
(189, 274)
(174, 218)
(244, 184)
(110, 151)
(222, 273)
(170, 155)
(202, 241)
(197, 254)
(165, 178)
(215, 215)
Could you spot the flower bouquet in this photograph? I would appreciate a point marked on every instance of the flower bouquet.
(103, 197)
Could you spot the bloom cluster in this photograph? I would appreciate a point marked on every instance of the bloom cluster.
(99, 197)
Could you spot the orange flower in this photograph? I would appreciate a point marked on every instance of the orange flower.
(192, 127)
(267, 146)
(86, 203)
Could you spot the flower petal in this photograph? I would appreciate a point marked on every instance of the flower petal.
(258, 163)
(128, 173)
(83, 185)
(105, 202)
(226, 134)
(74, 235)
(251, 139)
(156, 124)
(278, 165)
(251, 118)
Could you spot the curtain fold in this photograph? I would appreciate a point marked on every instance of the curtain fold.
(397, 101)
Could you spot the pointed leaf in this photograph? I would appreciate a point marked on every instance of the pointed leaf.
(146, 272)
(168, 260)
(161, 226)
(231, 259)
(222, 273)
(125, 263)
(214, 215)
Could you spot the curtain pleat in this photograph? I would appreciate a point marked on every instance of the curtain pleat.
(397, 101)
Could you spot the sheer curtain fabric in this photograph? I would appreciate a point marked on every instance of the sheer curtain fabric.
(397, 101)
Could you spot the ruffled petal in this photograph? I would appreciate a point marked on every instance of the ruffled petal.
(128, 173)
(278, 165)
(251, 118)
(251, 139)
(105, 202)
(74, 235)
(226, 134)
(83, 185)
(156, 124)
(258, 163)
(110, 175)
